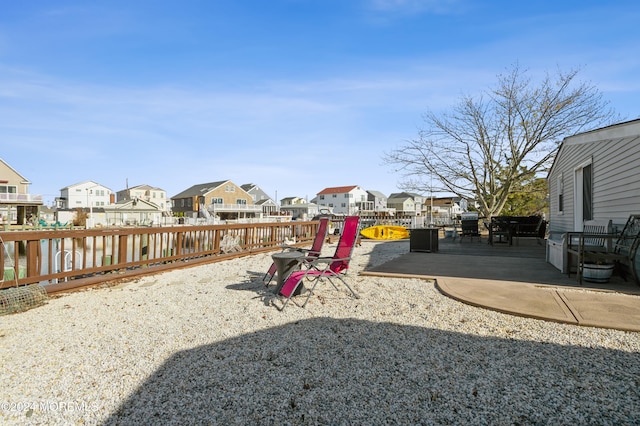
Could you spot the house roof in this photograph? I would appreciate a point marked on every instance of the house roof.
(448, 201)
(200, 189)
(403, 196)
(377, 194)
(248, 186)
(631, 126)
(133, 205)
(85, 182)
(143, 186)
(25, 180)
(338, 190)
(399, 197)
(627, 129)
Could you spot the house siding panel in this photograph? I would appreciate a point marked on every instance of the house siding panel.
(616, 180)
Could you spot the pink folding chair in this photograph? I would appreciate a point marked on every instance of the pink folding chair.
(325, 267)
(312, 253)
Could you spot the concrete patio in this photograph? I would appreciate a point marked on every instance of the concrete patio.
(517, 280)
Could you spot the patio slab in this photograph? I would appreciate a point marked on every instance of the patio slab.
(610, 310)
(518, 280)
(510, 297)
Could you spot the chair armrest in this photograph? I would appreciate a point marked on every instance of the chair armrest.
(319, 260)
(320, 263)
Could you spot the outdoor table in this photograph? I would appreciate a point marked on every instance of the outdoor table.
(286, 262)
(502, 228)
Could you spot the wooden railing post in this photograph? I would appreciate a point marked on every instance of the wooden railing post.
(34, 260)
(122, 250)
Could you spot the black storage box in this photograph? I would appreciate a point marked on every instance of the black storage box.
(424, 239)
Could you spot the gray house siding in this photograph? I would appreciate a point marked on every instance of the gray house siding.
(614, 156)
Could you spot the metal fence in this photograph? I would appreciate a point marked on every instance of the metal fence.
(65, 259)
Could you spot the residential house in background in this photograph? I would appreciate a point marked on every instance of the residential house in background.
(594, 176)
(261, 198)
(348, 200)
(299, 208)
(148, 193)
(407, 203)
(89, 196)
(48, 214)
(378, 202)
(134, 212)
(17, 206)
(446, 209)
(223, 199)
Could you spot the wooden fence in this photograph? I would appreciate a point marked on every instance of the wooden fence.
(61, 260)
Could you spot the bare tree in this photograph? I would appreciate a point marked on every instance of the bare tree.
(486, 147)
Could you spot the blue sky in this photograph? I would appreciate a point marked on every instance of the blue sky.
(292, 95)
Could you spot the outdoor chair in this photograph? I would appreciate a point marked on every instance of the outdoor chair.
(597, 241)
(597, 248)
(312, 253)
(517, 227)
(230, 243)
(322, 268)
(469, 225)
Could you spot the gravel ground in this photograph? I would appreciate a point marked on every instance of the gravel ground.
(205, 345)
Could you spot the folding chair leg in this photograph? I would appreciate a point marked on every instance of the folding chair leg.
(355, 295)
(270, 273)
(311, 292)
(284, 304)
(288, 298)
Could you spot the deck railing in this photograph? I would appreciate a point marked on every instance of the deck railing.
(13, 197)
(64, 259)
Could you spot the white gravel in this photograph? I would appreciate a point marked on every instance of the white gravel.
(205, 346)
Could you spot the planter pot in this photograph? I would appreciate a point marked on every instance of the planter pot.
(597, 273)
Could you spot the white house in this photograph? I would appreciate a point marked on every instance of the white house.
(299, 208)
(595, 175)
(342, 199)
(86, 194)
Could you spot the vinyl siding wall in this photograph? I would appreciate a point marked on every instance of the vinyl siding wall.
(616, 175)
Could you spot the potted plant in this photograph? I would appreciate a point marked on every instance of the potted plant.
(598, 270)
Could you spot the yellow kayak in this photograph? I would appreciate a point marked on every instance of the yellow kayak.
(385, 232)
